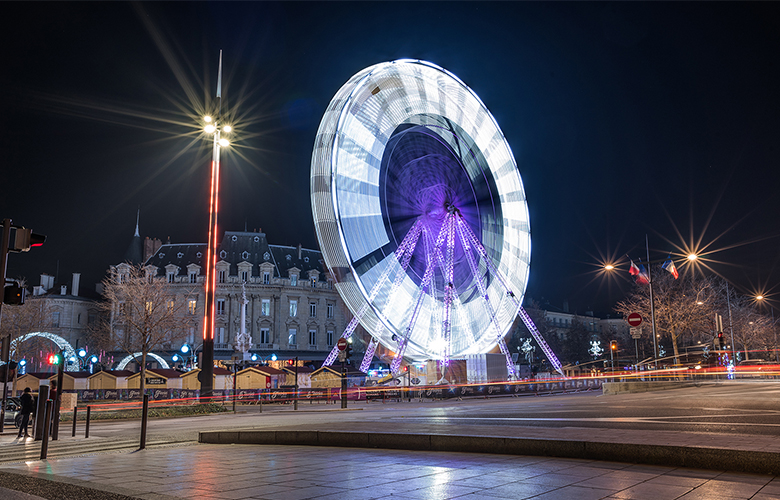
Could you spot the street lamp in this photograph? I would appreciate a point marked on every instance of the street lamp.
(213, 127)
(760, 298)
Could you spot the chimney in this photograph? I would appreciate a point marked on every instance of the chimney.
(299, 251)
(63, 289)
(47, 282)
(75, 286)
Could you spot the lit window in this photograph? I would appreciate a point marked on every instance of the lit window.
(192, 305)
(313, 282)
(170, 305)
(312, 309)
(265, 307)
(293, 308)
(220, 306)
(149, 307)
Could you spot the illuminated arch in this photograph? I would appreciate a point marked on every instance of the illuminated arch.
(123, 364)
(60, 342)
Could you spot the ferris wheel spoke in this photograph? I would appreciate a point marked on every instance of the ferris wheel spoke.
(449, 287)
(421, 293)
(370, 350)
(404, 254)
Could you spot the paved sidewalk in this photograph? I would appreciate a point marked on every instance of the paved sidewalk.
(298, 472)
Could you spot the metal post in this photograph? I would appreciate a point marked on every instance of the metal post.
(731, 327)
(652, 305)
(86, 429)
(3, 266)
(295, 403)
(46, 421)
(343, 384)
(144, 418)
(207, 384)
(234, 386)
(75, 413)
(40, 411)
(55, 433)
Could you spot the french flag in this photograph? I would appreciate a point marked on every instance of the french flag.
(669, 266)
(639, 271)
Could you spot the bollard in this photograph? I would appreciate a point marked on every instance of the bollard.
(75, 411)
(86, 430)
(144, 418)
(260, 401)
(46, 422)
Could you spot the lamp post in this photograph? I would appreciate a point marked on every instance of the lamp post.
(760, 298)
(214, 127)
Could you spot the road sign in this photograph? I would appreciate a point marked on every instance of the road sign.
(342, 357)
(636, 333)
(634, 319)
(342, 344)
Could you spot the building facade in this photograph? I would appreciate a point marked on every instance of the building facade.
(292, 308)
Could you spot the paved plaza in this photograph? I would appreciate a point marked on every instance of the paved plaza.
(298, 472)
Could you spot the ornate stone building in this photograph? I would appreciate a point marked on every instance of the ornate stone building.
(292, 308)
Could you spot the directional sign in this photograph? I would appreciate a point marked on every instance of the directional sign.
(634, 319)
(342, 344)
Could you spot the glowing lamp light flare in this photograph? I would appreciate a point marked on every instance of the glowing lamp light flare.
(209, 129)
(207, 119)
(759, 297)
(609, 267)
(224, 143)
(227, 128)
(692, 257)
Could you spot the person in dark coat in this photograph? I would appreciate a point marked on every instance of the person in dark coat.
(27, 409)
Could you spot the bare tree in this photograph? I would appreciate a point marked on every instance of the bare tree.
(684, 308)
(751, 329)
(142, 311)
(33, 316)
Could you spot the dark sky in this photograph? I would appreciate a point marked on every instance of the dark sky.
(626, 119)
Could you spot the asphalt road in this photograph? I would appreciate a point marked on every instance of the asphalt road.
(750, 408)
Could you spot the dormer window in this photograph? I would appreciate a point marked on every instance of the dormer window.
(266, 278)
(222, 274)
(294, 280)
(193, 277)
(170, 276)
(244, 276)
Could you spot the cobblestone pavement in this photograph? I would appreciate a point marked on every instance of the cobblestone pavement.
(300, 472)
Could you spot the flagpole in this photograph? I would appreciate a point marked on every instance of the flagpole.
(652, 304)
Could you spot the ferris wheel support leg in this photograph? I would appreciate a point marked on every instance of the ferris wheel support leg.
(510, 366)
(449, 287)
(366, 363)
(539, 340)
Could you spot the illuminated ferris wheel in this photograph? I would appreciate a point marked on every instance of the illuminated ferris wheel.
(421, 215)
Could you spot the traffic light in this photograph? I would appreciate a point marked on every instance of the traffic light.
(613, 345)
(348, 351)
(22, 239)
(14, 294)
(55, 359)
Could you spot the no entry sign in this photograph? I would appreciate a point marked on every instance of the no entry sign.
(634, 319)
(342, 344)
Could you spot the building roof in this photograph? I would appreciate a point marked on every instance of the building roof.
(73, 374)
(301, 369)
(217, 371)
(351, 372)
(115, 373)
(161, 372)
(265, 370)
(237, 247)
(39, 375)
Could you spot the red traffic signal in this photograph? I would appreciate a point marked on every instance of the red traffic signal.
(21, 239)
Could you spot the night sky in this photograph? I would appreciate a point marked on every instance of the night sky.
(626, 119)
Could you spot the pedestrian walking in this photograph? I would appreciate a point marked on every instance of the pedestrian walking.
(27, 409)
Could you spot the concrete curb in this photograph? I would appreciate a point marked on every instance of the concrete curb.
(670, 456)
